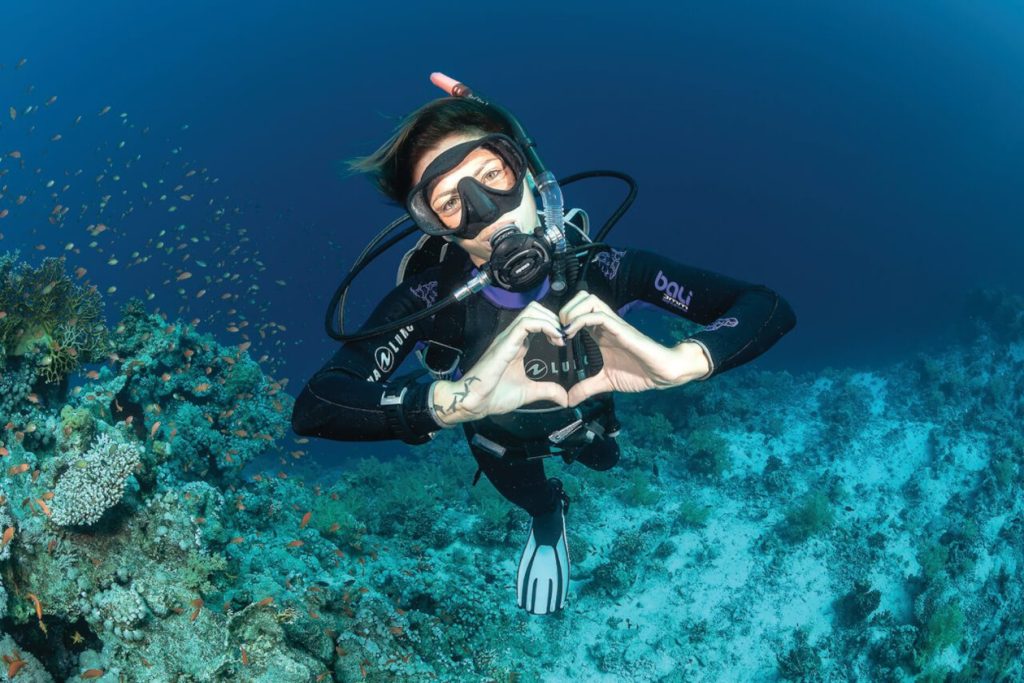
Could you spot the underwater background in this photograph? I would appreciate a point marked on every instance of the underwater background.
(174, 221)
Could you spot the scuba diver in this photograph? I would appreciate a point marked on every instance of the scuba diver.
(516, 314)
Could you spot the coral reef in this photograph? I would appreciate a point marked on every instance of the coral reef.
(847, 525)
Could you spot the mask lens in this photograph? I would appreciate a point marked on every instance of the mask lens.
(483, 165)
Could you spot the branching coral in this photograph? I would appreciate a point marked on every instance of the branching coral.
(43, 306)
(94, 482)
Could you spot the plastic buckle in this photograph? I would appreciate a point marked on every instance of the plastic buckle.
(560, 435)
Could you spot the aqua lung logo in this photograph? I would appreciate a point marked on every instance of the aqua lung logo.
(672, 292)
(385, 358)
(385, 354)
(539, 369)
(536, 369)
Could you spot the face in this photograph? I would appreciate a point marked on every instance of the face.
(489, 169)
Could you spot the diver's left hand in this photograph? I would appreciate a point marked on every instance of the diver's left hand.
(633, 361)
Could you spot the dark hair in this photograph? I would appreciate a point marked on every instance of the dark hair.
(391, 165)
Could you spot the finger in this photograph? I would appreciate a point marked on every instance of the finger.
(538, 309)
(526, 325)
(549, 391)
(579, 392)
(564, 314)
(595, 319)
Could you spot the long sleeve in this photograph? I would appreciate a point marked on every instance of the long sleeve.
(342, 399)
(741, 320)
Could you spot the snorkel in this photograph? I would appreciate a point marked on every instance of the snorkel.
(550, 193)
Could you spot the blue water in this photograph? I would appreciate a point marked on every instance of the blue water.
(865, 160)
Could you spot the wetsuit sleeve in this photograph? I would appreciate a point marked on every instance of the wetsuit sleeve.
(741, 320)
(342, 400)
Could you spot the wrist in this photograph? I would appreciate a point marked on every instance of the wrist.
(440, 404)
(693, 360)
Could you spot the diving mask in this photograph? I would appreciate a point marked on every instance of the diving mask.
(468, 187)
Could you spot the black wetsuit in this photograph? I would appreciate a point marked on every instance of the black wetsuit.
(342, 400)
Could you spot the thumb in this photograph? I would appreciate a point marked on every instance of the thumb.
(588, 387)
(549, 391)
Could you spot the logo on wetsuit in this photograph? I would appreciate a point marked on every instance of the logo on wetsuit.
(385, 354)
(536, 369)
(722, 322)
(673, 292)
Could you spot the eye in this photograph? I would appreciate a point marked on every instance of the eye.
(449, 206)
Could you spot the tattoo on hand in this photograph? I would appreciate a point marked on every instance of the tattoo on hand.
(457, 396)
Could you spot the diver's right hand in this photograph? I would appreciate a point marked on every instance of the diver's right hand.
(498, 383)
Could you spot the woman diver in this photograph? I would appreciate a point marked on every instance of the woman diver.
(528, 367)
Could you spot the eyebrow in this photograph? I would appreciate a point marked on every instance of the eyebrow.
(455, 190)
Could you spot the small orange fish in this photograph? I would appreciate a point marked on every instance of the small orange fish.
(8, 535)
(184, 275)
(38, 605)
(18, 469)
(305, 519)
(203, 386)
(245, 656)
(334, 527)
(92, 374)
(90, 673)
(45, 508)
(198, 602)
(4, 451)
(33, 398)
(244, 346)
(237, 539)
(15, 667)
(295, 544)
(154, 428)
(264, 602)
